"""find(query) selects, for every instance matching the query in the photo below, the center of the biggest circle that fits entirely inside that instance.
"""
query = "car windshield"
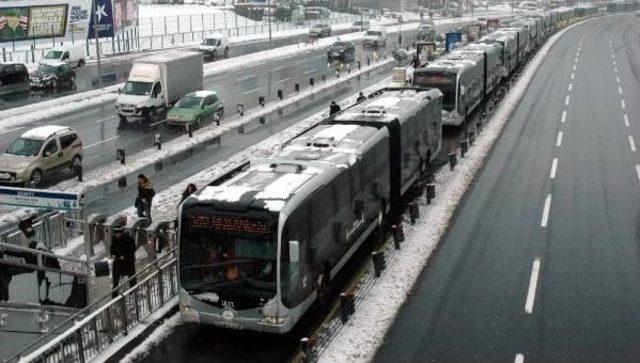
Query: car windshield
(233, 256)
(374, 33)
(25, 147)
(189, 102)
(340, 44)
(47, 68)
(137, 88)
(210, 41)
(54, 54)
(357, 23)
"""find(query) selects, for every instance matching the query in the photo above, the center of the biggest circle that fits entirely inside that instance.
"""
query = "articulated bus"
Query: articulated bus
(258, 244)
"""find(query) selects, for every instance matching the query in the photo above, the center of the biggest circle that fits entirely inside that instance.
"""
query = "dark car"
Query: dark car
(320, 30)
(53, 75)
(341, 50)
(14, 78)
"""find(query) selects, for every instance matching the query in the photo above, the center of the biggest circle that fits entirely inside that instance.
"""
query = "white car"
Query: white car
(359, 26)
(215, 46)
(375, 37)
(73, 55)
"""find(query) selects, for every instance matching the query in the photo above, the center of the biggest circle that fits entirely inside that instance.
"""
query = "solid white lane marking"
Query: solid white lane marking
(620, 90)
(559, 142)
(638, 171)
(253, 90)
(545, 211)
(519, 358)
(284, 80)
(617, 79)
(309, 72)
(570, 87)
(566, 100)
(573, 75)
(622, 104)
(554, 168)
(533, 283)
(105, 119)
(564, 116)
(248, 77)
(101, 142)
(626, 120)
(632, 144)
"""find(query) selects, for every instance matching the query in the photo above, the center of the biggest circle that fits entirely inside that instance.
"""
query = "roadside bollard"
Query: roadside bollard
(240, 109)
(262, 120)
(431, 192)
(398, 233)
(78, 170)
(241, 129)
(347, 306)
(122, 182)
(121, 156)
(379, 263)
(296, 87)
(472, 138)
(359, 65)
(368, 61)
(190, 130)
(312, 82)
(453, 160)
(280, 94)
(464, 147)
(306, 345)
(157, 141)
(43, 319)
(414, 212)
(261, 101)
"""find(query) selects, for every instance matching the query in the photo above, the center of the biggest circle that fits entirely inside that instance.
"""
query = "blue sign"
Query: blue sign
(103, 13)
(451, 40)
(36, 198)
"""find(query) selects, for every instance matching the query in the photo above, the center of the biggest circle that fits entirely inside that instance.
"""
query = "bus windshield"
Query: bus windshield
(444, 81)
(231, 255)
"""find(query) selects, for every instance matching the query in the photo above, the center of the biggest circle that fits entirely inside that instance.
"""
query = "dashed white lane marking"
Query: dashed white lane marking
(574, 67)
(638, 171)
(309, 72)
(105, 119)
(632, 144)
(284, 80)
(519, 358)
(566, 100)
(248, 77)
(615, 69)
(101, 142)
(626, 120)
(554, 168)
(614, 62)
(570, 87)
(573, 75)
(545, 211)
(622, 104)
(617, 79)
(253, 90)
(620, 90)
(564, 116)
(533, 283)
(559, 141)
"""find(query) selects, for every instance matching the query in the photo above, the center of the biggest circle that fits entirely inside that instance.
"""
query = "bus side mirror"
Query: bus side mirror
(294, 251)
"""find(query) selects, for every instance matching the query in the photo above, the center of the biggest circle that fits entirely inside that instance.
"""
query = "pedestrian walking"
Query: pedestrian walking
(334, 108)
(123, 253)
(191, 188)
(145, 197)
(361, 97)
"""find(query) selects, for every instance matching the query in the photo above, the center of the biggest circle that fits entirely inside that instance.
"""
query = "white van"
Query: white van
(73, 55)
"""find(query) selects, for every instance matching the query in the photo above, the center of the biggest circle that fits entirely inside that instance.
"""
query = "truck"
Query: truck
(155, 83)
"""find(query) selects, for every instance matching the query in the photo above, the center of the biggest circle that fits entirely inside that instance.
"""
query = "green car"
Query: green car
(196, 108)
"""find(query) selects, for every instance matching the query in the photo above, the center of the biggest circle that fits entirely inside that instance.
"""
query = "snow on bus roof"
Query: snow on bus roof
(229, 193)
(336, 132)
(283, 187)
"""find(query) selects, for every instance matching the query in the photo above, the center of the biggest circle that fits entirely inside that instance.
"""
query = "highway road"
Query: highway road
(541, 262)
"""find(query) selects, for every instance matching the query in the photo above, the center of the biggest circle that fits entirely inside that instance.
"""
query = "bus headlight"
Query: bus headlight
(274, 320)
(188, 313)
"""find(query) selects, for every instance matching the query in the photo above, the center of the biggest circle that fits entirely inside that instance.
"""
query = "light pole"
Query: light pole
(97, 39)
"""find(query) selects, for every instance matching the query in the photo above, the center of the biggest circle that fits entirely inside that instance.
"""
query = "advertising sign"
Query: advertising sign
(125, 14)
(37, 198)
(14, 23)
(47, 21)
(426, 52)
(452, 39)
(104, 15)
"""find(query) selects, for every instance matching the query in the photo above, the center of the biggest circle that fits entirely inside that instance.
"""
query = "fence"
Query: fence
(89, 332)
(53, 229)
(169, 31)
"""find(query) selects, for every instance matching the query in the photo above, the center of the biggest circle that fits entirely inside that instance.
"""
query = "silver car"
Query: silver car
(40, 152)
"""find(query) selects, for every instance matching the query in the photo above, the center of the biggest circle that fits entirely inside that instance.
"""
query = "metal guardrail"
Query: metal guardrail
(162, 36)
(92, 330)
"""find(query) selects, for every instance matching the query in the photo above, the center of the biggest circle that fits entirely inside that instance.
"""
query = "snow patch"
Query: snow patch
(154, 339)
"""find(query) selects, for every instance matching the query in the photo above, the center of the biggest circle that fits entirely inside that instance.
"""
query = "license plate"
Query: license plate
(228, 325)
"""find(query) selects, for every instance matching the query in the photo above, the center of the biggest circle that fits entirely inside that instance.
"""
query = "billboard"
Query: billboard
(32, 22)
(125, 14)
(104, 15)
(36, 198)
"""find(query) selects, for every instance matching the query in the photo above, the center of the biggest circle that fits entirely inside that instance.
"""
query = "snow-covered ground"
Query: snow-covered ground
(361, 336)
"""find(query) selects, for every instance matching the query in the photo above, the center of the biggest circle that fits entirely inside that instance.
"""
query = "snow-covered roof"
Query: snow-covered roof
(44, 132)
(202, 94)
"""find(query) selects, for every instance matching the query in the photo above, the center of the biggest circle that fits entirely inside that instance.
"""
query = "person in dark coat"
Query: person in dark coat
(123, 253)
(5, 279)
(145, 197)
(191, 188)
(334, 108)
(361, 97)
